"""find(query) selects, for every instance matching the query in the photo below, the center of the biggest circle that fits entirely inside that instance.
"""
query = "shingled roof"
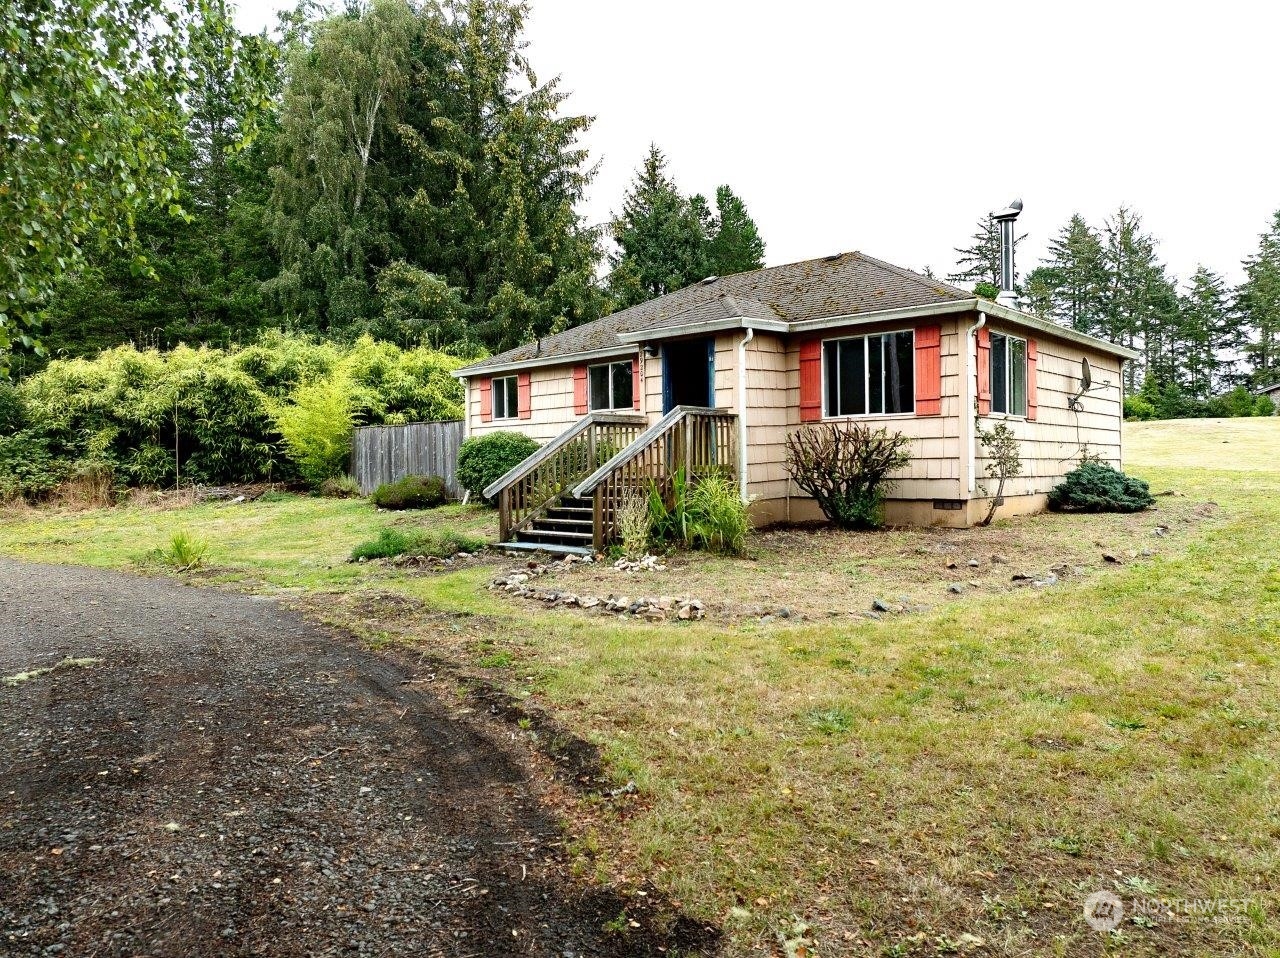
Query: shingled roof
(843, 285)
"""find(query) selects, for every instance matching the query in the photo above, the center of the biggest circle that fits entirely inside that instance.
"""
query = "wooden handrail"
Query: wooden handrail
(523, 468)
(527, 490)
(699, 440)
(589, 484)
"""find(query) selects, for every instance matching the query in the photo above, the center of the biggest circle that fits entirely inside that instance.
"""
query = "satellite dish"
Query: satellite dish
(1086, 375)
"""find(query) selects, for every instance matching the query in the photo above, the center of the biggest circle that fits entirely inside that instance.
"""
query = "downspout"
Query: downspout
(742, 412)
(971, 398)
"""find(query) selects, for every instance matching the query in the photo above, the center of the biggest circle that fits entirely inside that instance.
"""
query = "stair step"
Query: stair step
(573, 510)
(567, 521)
(541, 535)
(545, 547)
(569, 502)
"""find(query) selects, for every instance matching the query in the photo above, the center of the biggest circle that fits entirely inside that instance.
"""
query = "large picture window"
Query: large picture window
(1008, 375)
(869, 375)
(506, 397)
(610, 386)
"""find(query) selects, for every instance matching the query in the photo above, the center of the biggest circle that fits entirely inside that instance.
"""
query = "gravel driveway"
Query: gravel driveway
(229, 779)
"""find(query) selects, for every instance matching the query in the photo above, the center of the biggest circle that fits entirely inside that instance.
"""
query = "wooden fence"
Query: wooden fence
(386, 453)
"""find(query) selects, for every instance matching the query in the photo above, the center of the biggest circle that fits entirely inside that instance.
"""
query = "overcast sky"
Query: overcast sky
(891, 127)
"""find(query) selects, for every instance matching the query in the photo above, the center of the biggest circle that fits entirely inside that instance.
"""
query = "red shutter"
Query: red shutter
(1032, 401)
(580, 390)
(929, 370)
(635, 383)
(984, 372)
(525, 394)
(811, 380)
(486, 400)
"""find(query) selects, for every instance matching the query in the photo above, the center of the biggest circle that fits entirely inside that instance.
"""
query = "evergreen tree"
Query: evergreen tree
(1073, 278)
(1138, 302)
(661, 236)
(735, 245)
(980, 263)
(417, 137)
(1259, 302)
(207, 261)
(1204, 337)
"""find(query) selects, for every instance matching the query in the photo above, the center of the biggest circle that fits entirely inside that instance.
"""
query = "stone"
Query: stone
(998, 560)
(784, 613)
(1021, 577)
(955, 587)
(973, 563)
(1108, 557)
(873, 615)
(1048, 580)
(685, 613)
(879, 605)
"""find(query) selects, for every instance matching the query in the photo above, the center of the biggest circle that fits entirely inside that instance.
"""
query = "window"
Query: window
(1008, 375)
(506, 397)
(869, 375)
(610, 386)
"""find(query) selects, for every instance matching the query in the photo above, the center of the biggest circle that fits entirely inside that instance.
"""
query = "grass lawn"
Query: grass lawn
(945, 781)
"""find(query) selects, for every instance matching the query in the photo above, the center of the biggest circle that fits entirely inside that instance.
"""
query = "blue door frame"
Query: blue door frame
(668, 391)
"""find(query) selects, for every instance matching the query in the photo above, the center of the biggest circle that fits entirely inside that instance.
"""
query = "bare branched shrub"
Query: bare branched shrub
(846, 468)
(1004, 461)
(91, 486)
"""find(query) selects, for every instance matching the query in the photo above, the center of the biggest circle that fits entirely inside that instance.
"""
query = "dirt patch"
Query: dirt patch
(817, 572)
(232, 780)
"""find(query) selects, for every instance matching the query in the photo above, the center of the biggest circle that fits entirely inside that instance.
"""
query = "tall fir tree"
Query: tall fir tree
(417, 139)
(666, 241)
(661, 236)
(1205, 337)
(735, 245)
(1138, 302)
(1072, 279)
(1259, 304)
(207, 262)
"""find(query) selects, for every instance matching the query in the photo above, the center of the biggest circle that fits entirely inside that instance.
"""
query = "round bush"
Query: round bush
(483, 459)
(1097, 487)
(411, 492)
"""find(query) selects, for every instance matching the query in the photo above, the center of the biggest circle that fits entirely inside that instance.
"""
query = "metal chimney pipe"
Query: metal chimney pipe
(1006, 218)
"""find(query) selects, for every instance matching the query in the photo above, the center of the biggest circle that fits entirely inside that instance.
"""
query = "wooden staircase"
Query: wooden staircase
(565, 526)
(565, 497)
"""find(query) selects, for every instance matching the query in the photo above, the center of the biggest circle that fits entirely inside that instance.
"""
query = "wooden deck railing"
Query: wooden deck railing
(546, 475)
(701, 440)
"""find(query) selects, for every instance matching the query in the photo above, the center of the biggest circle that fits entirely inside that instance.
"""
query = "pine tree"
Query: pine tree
(1138, 302)
(1203, 338)
(1259, 303)
(1072, 280)
(735, 244)
(661, 236)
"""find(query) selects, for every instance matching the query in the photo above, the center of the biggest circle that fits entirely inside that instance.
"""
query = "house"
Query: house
(714, 376)
(1272, 393)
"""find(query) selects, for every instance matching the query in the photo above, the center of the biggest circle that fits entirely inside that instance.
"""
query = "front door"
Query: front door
(688, 373)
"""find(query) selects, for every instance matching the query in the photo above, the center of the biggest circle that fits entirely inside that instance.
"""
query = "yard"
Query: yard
(955, 775)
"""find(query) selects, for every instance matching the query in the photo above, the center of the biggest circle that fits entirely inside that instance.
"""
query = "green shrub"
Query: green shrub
(279, 409)
(845, 469)
(411, 492)
(710, 516)
(316, 424)
(1135, 407)
(484, 459)
(340, 487)
(1097, 487)
(398, 542)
